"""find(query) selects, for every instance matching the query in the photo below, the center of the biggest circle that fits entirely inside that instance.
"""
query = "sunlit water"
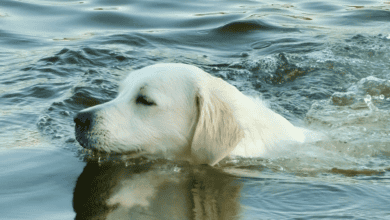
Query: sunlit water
(323, 65)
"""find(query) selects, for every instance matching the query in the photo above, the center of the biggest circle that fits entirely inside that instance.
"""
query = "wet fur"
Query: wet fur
(197, 117)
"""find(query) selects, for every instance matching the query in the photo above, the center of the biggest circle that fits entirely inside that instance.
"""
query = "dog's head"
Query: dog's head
(177, 111)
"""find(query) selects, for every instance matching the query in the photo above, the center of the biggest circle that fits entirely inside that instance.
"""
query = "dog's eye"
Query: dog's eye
(144, 101)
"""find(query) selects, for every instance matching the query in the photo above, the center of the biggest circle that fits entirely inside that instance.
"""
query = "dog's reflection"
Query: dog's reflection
(155, 190)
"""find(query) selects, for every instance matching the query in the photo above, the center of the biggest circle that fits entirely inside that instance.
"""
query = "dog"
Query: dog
(180, 112)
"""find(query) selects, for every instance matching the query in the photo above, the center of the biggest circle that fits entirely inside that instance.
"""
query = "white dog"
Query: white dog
(180, 112)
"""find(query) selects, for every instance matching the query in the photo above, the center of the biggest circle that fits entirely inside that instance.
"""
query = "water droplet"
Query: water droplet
(367, 99)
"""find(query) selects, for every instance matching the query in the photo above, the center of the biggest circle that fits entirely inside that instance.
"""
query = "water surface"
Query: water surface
(324, 65)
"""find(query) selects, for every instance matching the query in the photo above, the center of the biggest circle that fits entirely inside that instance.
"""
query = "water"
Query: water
(322, 65)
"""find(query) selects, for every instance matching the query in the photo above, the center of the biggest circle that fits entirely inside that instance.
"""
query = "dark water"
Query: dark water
(323, 65)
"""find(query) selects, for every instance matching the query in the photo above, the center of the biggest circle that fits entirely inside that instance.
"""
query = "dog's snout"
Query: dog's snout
(84, 119)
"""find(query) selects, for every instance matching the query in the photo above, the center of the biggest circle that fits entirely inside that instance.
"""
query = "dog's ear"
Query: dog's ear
(217, 132)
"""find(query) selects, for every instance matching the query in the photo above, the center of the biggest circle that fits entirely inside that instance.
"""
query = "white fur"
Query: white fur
(197, 117)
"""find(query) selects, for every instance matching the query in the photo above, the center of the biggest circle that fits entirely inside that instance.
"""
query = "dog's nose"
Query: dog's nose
(83, 119)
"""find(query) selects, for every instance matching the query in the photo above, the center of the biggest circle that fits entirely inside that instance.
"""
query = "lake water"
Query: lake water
(324, 65)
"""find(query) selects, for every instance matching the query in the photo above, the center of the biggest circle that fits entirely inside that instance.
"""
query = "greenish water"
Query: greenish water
(322, 65)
